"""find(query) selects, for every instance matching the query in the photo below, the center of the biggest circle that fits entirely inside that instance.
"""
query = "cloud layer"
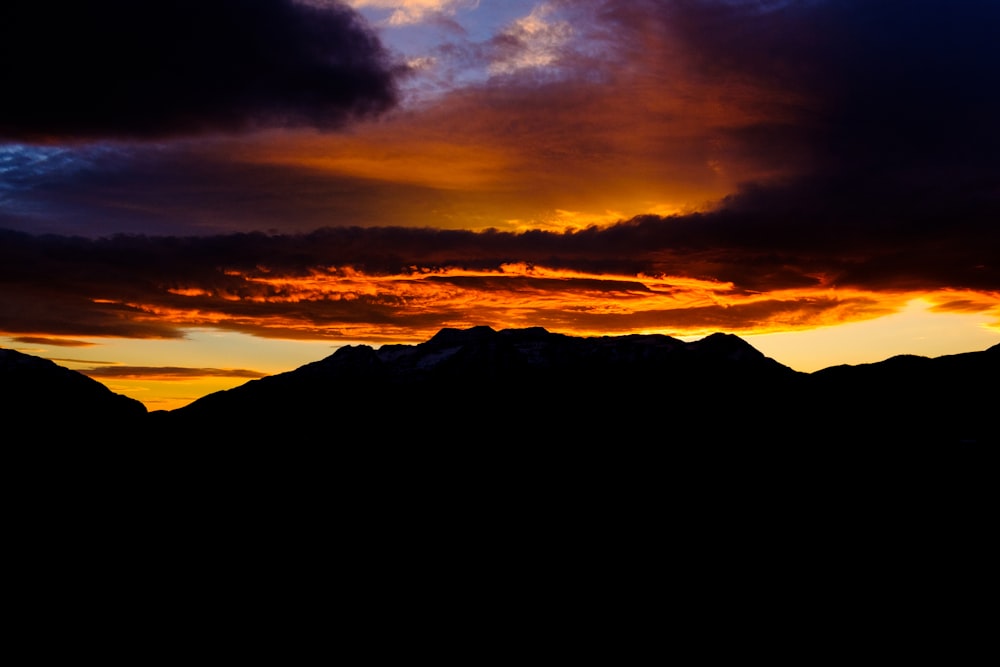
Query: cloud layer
(704, 272)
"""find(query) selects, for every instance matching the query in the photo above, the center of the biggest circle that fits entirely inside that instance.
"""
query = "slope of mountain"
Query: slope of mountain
(947, 398)
(47, 397)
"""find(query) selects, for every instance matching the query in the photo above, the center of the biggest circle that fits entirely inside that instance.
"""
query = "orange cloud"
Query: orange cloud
(953, 301)
(634, 133)
(381, 284)
(167, 373)
(58, 342)
(967, 301)
(345, 303)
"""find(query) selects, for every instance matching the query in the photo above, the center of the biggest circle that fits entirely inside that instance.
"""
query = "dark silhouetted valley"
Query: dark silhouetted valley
(517, 387)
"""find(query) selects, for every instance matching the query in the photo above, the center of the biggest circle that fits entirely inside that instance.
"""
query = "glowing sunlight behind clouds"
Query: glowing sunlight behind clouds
(817, 176)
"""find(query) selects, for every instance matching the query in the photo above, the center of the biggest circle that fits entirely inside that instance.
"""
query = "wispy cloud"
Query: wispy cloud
(57, 342)
(166, 373)
(406, 12)
(533, 41)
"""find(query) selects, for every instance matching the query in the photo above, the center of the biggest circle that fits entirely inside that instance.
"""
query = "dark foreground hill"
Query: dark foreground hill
(484, 388)
(39, 397)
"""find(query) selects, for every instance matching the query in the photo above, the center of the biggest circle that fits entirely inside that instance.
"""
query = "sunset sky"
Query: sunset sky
(201, 192)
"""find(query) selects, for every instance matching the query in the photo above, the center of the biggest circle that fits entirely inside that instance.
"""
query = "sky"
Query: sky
(198, 193)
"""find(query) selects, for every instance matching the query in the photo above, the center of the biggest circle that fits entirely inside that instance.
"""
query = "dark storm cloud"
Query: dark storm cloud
(895, 90)
(878, 120)
(490, 284)
(754, 251)
(121, 68)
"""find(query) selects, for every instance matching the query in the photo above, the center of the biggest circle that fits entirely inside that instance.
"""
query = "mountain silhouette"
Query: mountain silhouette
(530, 385)
(513, 383)
(479, 386)
(50, 398)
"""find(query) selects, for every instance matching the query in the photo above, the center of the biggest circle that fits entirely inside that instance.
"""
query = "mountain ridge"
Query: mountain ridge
(530, 382)
(517, 383)
(28, 383)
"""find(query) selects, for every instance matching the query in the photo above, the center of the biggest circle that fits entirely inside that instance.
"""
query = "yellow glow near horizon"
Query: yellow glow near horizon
(920, 328)
(199, 349)
(859, 328)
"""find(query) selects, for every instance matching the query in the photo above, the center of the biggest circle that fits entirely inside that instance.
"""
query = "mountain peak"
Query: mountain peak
(728, 345)
(450, 335)
(527, 332)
